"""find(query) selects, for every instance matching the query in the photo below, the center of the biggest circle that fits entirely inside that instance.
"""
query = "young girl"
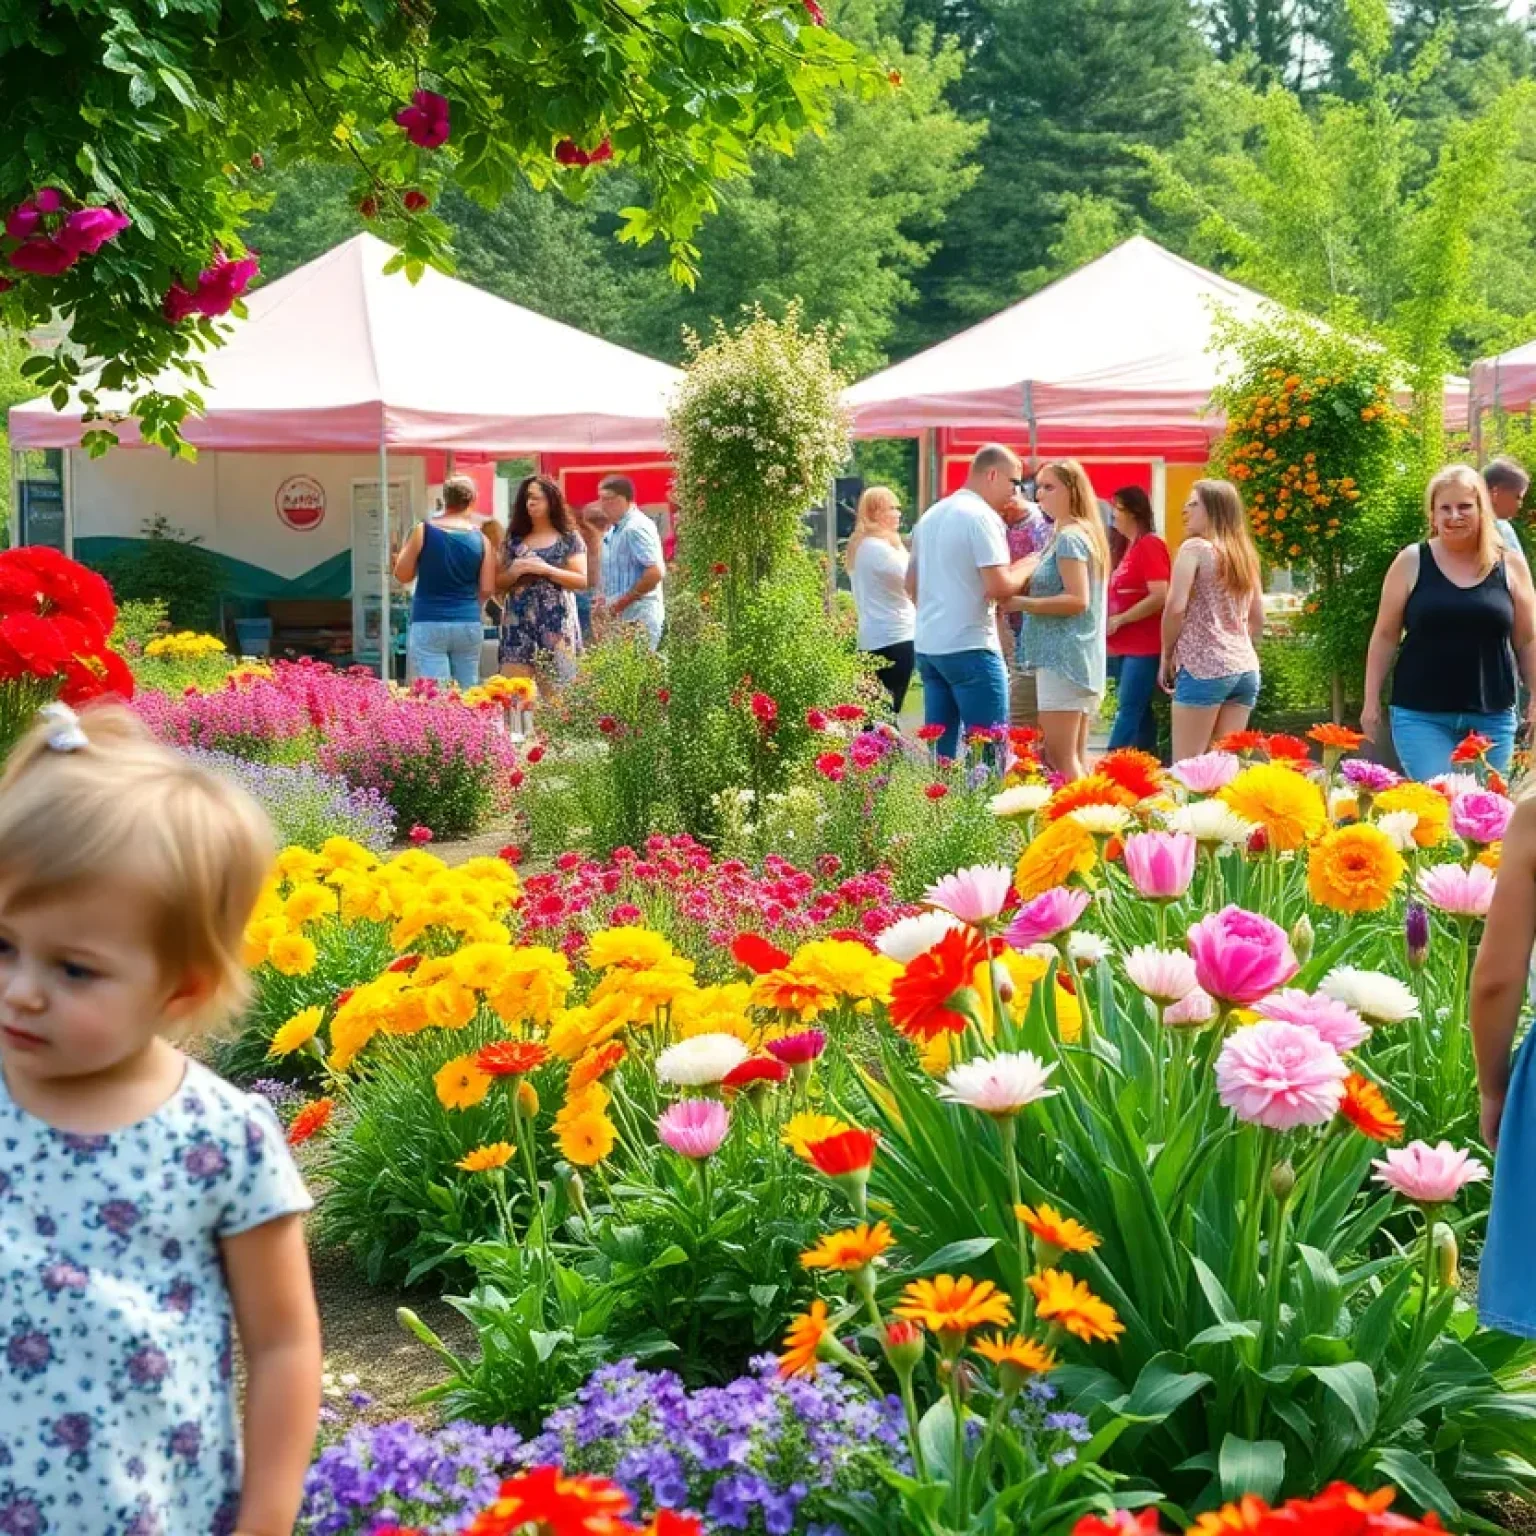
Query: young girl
(144, 1203)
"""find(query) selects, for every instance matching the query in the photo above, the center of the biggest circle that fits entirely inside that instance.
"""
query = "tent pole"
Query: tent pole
(1029, 416)
(13, 522)
(385, 659)
(927, 453)
(831, 543)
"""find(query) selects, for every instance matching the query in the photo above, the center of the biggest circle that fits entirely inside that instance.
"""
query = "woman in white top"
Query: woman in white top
(876, 561)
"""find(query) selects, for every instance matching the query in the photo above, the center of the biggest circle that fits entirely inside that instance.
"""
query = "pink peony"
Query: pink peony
(86, 230)
(1194, 1008)
(1373, 778)
(426, 120)
(1164, 975)
(797, 1049)
(1049, 914)
(1428, 1175)
(1241, 956)
(1205, 774)
(1482, 816)
(42, 257)
(1280, 1076)
(694, 1128)
(974, 895)
(1160, 864)
(1336, 1022)
(1461, 892)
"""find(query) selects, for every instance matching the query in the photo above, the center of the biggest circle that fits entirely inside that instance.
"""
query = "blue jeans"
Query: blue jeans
(1506, 1299)
(1135, 724)
(1424, 740)
(444, 651)
(967, 688)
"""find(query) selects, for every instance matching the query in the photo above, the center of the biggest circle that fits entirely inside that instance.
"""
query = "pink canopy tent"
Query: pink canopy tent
(1118, 357)
(1506, 382)
(337, 358)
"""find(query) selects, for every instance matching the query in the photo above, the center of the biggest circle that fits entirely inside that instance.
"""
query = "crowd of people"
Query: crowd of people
(1018, 600)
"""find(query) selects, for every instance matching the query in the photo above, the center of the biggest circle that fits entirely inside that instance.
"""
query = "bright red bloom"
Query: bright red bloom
(929, 732)
(832, 765)
(511, 853)
(1340, 1510)
(798, 1049)
(569, 152)
(663, 696)
(511, 1058)
(554, 1505)
(1121, 1523)
(607, 724)
(922, 996)
(1138, 773)
(536, 753)
(848, 713)
(415, 201)
(764, 710)
(1471, 747)
(1287, 749)
(756, 1069)
(757, 954)
(816, 719)
(310, 1119)
(850, 1151)
(668, 1522)
(420, 835)
(936, 791)
(1242, 742)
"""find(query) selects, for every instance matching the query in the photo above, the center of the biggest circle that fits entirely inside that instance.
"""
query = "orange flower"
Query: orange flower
(1287, 749)
(1020, 1353)
(1050, 1227)
(1368, 1109)
(1137, 773)
(510, 1058)
(850, 1249)
(1093, 789)
(850, 1151)
(311, 1118)
(1065, 848)
(1245, 1515)
(487, 1159)
(1242, 742)
(1337, 738)
(595, 1065)
(1061, 1299)
(954, 1306)
(1471, 748)
(922, 997)
(786, 992)
(547, 1500)
(802, 1344)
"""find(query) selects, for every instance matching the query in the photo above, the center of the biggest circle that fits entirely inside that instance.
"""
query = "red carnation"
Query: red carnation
(756, 1069)
(929, 732)
(757, 954)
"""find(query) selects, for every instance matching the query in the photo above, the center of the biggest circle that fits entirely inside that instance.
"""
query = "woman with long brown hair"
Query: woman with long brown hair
(1212, 621)
(543, 566)
(1062, 637)
(876, 562)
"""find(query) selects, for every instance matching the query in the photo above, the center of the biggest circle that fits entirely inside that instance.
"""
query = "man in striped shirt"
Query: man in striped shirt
(630, 567)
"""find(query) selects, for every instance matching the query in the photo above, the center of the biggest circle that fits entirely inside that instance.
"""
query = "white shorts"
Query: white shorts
(1059, 695)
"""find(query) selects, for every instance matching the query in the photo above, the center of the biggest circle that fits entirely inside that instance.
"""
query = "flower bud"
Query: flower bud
(1416, 934)
(1258, 841)
(1282, 1180)
(1446, 1256)
(1002, 979)
(527, 1100)
(571, 1182)
(904, 1346)
(414, 1326)
(1303, 939)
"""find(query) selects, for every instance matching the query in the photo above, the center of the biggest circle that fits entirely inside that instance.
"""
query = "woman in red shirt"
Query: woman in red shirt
(1137, 591)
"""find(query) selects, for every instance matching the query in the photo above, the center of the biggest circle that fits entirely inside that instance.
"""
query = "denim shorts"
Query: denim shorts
(1211, 692)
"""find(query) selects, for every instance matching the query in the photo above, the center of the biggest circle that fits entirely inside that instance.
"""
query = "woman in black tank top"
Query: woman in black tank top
(1459, 615)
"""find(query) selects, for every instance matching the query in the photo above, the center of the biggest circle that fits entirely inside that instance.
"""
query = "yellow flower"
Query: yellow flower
(461, 1084)
(1018, 1354)
(1354, 869)
(587, 1139)
(1289, 806)
(343, 853)
(1491, 856)
(297, 1032)
(309, 902)
(949, 1305)
(593, 1099)
(259, 934)
(299, 864)
(808, 1126)
(1069, 1014)
(1061, 1299)
(850, 1249)
(534, 988)
(482, 966)
(636, 948)
(292, 955)
(575, 1031)
(1063, 849)
(1429, 805)
(488, 1158)
(1048, 1226)
(846, 968)
(783, 991)
(450, 1006)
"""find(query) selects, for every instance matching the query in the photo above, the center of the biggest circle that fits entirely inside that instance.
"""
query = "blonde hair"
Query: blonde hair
(877, 498)
(459, 493)
(1237, 561)
(195, 844)
(1489, 550)
(1084, 505)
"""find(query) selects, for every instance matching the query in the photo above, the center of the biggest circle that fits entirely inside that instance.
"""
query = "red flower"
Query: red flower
(848, 713)
(1471, 747)
(310, 1119)
(1138, 773)
(549, 1501)
(1121, 1523)
(719, 568)
(756, 1069)
(369, 207)
(421, 835)
(922, 997)
(757, 954)
(1242, 742)
(569, 152)
(929, 732)
(1340, 1510)
(815, 12)
(764, 710)
(936, 791)
(1287, 749)
(832, 765)
(1258, 841)
(517, 778)
(511, 853)
(816, 719)
(404, 965)
(415, 201)
(426, 120)
(850, 1151)
(668, 1522)
(607, 724)
(663, 697)
(536, 753)
(511, 1058)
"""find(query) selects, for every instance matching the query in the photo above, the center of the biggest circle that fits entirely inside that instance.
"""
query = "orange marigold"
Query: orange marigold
(787, 992)
(1245, 1515)
(1061, 1299)
(1050, 1227)
(310, 1119)
(1093, 789)
(850, 1249)
(1138, 773)
(1368, 1109)
(1063, 849)
(596, 1065)
(1017, 1352)
(1337, 738)
(946, 1304)
(802, 1344)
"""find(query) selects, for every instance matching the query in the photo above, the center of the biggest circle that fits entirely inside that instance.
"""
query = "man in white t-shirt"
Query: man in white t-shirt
(959, 572)
(1507, 484)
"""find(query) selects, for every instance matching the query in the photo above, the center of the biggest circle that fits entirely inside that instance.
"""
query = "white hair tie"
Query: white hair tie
(66, 734)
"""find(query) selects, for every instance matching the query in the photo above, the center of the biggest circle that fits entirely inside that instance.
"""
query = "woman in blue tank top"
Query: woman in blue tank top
(454, 568)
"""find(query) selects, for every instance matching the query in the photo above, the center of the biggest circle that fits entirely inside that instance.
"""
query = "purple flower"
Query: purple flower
(28, 1354)
(119, 1217)
(205, 1162)
(1373, 778)
(61, 1275)
(71, 1431)
(148, 1367)
(186, 1441)
(20, 1513)
(178, 1296)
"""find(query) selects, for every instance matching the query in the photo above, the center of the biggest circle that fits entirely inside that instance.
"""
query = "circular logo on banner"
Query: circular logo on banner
(301, 502)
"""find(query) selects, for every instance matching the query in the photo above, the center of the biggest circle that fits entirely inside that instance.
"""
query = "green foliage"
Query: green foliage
(1295, 679)
(139, 620)
(167, 566)
(14, 389)
(168, 115)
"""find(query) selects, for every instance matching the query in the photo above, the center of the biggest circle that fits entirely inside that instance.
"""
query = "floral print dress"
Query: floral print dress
(117, 1404)
(539, 620)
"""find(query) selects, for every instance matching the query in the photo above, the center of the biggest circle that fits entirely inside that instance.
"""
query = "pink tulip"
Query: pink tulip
(974, 895)
(1336, 1022)
(1160, 864)
(1205, 774)
(1428, 1175)
(694, 1127)
(1193, 1009)
(1241, 956)
(1482, 816)
(1280, 1076)
(1164, 975)
(426, 120)
(86, 230)
(1460, 892)
(1049, 914)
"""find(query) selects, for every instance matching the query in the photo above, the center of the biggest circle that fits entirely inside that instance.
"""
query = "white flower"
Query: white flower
(998, 1085)
(1164, 975)
(1400, 827)
(701, 1061)
(1452, 784)
(1378, 997)
(909, 937)
(1341, 803)
(1025, 800)
(1086, 949)
(1103, 820)
(1211, 821)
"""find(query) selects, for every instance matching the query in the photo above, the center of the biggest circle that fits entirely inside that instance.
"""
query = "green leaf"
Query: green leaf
(1215, 1293)
(1161, 1388)
(545, 1344)
(1251, 1466)
(1418, 1480)
(669, 1258)
(936, 1435)
(953, 1256)
(1354, 1386)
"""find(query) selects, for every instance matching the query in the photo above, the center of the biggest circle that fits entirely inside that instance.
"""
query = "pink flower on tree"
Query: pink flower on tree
(1336, 1022)
(1045, 917)
(1241, 956)
(569, 152)
(1428, 1175)
(26, 219)
(1482, 816)
(694, 1127)
(86, 230)
(41, 257)
(1280, 1076)
(425, 121)
(1160, 864)
(1460, 892)
(218, 287)
(1205, 774)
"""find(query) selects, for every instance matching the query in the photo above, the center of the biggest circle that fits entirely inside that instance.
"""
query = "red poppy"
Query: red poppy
(1471, 747)
(757, 954)
(850, 1151)
(511, 1058)
(536, 753)
(922, 997)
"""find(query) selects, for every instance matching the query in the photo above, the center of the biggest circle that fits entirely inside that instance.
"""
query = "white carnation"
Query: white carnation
(1380, 998)
(700, 1062)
